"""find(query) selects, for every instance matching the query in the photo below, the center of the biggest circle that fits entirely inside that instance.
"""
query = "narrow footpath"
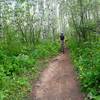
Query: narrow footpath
(58, 81)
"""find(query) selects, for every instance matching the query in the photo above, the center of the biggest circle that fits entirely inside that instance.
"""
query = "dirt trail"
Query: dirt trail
(58, 81)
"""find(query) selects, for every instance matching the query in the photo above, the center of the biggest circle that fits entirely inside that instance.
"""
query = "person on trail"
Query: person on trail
(62, 41)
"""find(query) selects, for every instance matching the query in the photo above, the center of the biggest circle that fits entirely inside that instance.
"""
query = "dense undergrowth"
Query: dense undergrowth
(86, 57)
(19, 64)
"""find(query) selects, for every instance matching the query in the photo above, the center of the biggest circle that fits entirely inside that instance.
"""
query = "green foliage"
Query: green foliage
(86, 57)
(18, 67)
(48, 49)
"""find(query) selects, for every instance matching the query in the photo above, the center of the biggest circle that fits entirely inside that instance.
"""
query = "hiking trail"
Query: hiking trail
(58, 81)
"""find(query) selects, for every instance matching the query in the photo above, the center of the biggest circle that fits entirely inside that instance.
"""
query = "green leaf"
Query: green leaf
(97, 97)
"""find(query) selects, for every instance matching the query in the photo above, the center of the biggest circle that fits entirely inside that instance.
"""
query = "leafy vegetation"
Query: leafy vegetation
(19, 67)
(29, 30)
(86, 57)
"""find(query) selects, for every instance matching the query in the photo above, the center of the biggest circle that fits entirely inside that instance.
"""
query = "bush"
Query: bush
(16, 67)
(86, 57)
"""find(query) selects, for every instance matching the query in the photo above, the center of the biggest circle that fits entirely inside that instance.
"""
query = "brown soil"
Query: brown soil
(58, 81)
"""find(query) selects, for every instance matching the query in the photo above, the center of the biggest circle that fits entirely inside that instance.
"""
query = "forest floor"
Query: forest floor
(58, 81)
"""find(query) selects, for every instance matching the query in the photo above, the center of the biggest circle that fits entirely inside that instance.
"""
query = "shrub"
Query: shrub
(19, 65)
(86, 57)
